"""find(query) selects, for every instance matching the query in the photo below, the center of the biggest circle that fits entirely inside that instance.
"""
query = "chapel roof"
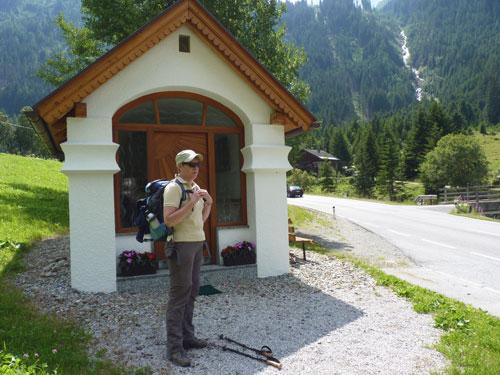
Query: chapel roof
(50, 113)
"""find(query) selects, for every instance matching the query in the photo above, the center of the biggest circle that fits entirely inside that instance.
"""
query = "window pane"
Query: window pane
(180, 111)
(133, 162)
(215, 117)
(227, 167)
(142, 114)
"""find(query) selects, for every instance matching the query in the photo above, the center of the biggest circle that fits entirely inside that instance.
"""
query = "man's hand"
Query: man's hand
(205, 196)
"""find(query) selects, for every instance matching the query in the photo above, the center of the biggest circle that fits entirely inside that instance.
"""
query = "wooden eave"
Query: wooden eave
(52, 110)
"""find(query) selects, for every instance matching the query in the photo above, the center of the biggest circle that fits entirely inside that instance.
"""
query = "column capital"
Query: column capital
(87, 157)
(265, 158)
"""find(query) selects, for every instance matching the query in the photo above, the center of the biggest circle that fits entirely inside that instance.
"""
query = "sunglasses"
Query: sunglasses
(192, 165)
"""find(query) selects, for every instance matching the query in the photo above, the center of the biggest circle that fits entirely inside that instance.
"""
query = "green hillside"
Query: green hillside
(355, 67)
(491, 146)
(28, 36)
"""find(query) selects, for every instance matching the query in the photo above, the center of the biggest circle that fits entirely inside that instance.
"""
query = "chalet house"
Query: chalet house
(310, 160)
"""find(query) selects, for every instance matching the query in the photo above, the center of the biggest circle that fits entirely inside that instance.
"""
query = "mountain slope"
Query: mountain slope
(28, 35)
(355, 67)
(456, 47)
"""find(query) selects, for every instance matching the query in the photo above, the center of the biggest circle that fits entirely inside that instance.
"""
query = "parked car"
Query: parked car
(294, 191)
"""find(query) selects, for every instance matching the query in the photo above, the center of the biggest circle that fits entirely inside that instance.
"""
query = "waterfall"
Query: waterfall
(406, 59)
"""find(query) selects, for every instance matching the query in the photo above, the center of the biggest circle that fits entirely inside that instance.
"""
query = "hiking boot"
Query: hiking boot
(180, 359)
(194, 343)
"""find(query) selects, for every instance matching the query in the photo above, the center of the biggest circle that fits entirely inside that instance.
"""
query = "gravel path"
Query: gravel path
(325, 317)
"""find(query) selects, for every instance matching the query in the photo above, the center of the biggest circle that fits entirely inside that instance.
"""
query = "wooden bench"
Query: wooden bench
(292, 237)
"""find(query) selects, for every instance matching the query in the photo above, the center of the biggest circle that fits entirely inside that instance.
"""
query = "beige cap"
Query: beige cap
(186, 156)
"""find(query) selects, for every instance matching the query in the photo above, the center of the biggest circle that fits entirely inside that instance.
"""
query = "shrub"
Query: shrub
(457, 160)
(12, 365)
(299, 177)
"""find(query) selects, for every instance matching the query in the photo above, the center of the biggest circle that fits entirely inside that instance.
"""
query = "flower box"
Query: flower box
(132, 263)
(239, 254)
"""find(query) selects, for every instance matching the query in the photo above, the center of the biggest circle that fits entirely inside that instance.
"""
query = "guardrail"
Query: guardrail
(484, 199)
(469, 194)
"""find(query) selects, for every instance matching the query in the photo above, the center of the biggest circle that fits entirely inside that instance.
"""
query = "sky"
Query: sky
(374, 2)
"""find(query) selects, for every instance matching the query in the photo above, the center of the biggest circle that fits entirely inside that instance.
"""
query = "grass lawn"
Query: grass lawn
(491, 146)
(471, 338)
(343, 189)
(34, 205)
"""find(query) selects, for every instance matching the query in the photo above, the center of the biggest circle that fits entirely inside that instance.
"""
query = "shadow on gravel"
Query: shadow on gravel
(327, 243)
(282, 312)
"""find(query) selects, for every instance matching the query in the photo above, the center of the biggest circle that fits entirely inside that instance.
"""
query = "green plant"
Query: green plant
(12, 365)
(462, 207)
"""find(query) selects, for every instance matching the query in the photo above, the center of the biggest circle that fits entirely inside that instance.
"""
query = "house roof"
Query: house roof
(320, 154)
(49, 114)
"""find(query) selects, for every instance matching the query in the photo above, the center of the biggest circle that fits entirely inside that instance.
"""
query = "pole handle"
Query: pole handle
(278, 365)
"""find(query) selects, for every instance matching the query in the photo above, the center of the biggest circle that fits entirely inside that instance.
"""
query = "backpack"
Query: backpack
(149, 217)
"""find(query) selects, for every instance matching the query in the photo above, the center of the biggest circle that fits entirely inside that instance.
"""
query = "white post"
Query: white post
(266, 163)
(90, 164)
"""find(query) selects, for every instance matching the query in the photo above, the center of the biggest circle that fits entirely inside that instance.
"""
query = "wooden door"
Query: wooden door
(165, 145)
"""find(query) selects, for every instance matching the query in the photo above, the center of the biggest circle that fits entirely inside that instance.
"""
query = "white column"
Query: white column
(90, 162)
(266, 163)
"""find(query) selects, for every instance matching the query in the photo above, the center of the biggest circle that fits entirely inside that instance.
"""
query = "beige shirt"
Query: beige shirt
(190, 229)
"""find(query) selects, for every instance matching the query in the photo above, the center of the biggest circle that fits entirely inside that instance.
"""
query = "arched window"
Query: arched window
(148, 125)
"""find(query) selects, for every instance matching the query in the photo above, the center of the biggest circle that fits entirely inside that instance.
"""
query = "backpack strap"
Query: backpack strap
(183, 191)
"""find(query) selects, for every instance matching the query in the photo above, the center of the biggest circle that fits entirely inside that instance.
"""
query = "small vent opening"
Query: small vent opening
(184, 43)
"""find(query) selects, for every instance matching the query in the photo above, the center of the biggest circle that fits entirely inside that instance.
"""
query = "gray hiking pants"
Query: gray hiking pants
(184, 262)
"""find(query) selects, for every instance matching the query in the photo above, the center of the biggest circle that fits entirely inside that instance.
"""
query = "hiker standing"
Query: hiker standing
(184, 254)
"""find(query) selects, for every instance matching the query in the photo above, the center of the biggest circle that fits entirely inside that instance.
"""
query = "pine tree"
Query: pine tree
(6, 134)
(325, 174)
(457, 122)
(419, 141)
(366, 163)
(388, 164)
(440, 120)
(339, 147)
(28, 140)
(482, 128)
(493, 100)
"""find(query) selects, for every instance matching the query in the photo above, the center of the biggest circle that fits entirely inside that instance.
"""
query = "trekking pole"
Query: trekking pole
(265, 350)
(271, 361)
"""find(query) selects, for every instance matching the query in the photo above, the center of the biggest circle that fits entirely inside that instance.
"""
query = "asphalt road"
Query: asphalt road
(455, 256)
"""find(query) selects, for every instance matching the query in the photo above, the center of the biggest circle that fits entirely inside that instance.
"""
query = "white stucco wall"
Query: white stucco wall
(164, 68)
(90, 158)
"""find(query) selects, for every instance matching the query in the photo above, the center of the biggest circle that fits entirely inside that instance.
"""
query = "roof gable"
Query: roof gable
(320, 154)
(50, 113)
